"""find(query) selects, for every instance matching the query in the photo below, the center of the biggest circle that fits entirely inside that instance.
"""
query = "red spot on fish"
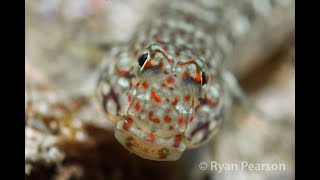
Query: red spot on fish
(148, 64)
(171, 88)
(185, 75)
(151, 137)
(155, 120)
(127, 123)
(186, 98)
(145, 85)
(175, 101)
(163, 85)
(165, 72)
(160, 64)
(170, 128)
(177, 140)
(150, 116)
(197, 78)
(170, 80)
(167, 118)
(156, 98)
(180, 120)
(137, 106)
(163, 153)
(124, 73)
(167, 100)
(163, 156)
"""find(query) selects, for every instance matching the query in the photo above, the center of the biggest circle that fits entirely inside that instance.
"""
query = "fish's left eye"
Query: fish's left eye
(204, 79)
(142, 59)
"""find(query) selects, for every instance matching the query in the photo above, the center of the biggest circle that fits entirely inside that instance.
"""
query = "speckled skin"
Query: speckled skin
(168, 89)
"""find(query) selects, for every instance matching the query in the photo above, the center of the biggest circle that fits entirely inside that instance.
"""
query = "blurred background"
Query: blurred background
(66, 138)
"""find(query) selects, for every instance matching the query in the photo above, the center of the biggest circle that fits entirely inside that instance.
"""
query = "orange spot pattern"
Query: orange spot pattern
(180, 120)
(151, 118)
(151, 137)
(127, 124)
(145, 85)
(167, 118)
(175, 101)
(177, 140)
(197, 78)
(156, 98)
(137, 106)
(186, 98)
(170, 80)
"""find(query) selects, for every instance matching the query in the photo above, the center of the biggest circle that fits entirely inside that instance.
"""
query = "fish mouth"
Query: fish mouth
(137, 142)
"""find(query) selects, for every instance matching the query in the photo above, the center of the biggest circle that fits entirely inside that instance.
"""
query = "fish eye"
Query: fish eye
(142, 59)
(204, 78)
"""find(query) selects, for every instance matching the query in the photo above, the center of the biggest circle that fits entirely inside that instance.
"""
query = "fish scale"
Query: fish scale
(170, 83)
